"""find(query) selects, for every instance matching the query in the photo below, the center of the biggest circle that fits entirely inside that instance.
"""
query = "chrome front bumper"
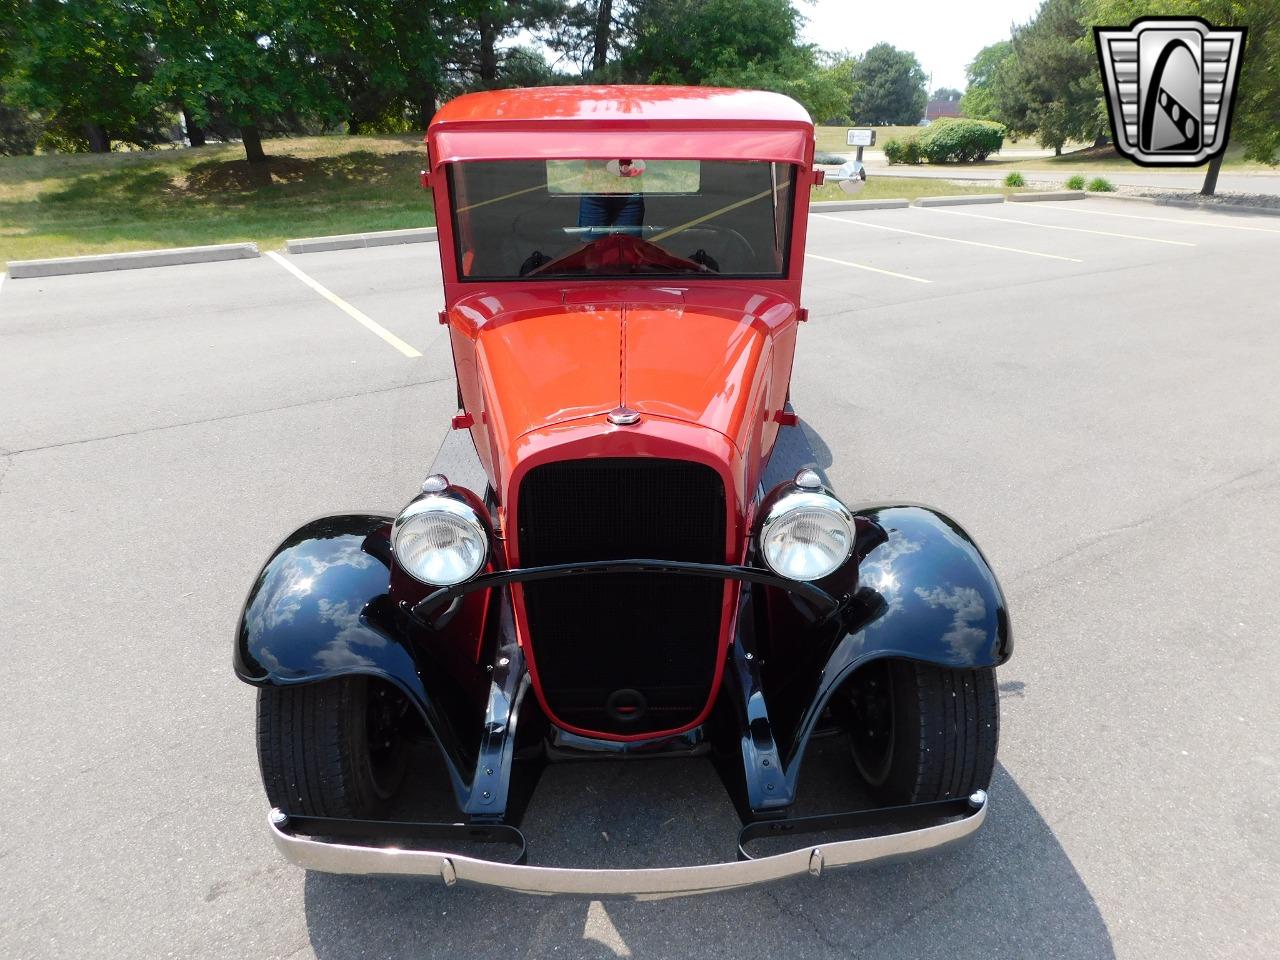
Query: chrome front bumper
(641, 884)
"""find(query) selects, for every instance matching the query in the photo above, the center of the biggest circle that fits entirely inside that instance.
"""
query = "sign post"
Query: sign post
(861, 137)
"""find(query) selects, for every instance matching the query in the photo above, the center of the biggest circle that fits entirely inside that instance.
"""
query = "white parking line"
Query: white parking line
(1054, 226)
(934, 236)
(863, 266)
(1062, 208)
(2, 276)
(364, 320)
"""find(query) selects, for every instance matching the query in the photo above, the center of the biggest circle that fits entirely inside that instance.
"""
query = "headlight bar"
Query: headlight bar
(825, 604)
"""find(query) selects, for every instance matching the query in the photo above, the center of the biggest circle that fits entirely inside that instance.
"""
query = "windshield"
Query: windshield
(557, 219)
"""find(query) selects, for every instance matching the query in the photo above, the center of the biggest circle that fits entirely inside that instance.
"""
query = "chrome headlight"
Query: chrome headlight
(440, 540)
(806, 536)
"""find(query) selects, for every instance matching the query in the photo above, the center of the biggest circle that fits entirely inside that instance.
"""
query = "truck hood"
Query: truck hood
(701, 365)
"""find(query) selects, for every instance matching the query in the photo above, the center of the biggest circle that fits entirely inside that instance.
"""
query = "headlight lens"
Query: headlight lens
(440, 541)
(806, 536)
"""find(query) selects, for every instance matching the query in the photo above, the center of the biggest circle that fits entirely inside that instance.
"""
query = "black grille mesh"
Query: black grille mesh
(594, 635)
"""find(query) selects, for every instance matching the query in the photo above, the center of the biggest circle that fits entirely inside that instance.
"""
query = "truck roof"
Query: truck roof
(624, 103)
(622, 120)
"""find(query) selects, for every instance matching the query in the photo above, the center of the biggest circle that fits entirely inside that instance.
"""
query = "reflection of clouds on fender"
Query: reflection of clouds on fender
(350, 554)
(281, 598)
(968, 610)
(338, 652)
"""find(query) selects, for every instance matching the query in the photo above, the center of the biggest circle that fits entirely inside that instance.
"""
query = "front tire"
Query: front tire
(920, 732)
(332, 749)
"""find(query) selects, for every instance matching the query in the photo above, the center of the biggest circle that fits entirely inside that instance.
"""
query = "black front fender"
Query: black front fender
(320, 609)
(305, 618)
(926, 593)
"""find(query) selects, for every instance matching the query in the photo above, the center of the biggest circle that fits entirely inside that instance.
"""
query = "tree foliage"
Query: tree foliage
(19, 129)
(90, 73)
(947, 94)
(1050, 87)
(978, 101)
(84, 66)
(731, 43)
(888, 87)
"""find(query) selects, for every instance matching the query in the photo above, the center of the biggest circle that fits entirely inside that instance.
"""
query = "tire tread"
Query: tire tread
(306, 752)
(955, 716)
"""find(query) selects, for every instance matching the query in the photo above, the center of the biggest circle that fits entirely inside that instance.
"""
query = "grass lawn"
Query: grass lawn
(65, 205)
(908, 188)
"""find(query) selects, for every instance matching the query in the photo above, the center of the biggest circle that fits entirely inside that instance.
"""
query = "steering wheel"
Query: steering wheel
(737, 252)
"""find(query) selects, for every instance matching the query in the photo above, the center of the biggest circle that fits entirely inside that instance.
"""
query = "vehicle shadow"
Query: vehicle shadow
(1012, 891)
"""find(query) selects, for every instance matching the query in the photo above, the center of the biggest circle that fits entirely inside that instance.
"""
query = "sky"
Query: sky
(943, 34)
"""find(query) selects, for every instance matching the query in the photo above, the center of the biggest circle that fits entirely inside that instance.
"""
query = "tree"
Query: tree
(84, 66)
(1049, 86)
(686, 41)
(731, 43)
(946, 94)
(1256, 117)
(19, 129)
(888, 87)
(978, 101)
(591, 34)
(253, 63)
(477, 28)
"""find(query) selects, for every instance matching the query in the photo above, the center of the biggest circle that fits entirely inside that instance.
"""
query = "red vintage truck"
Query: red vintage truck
(636, 554)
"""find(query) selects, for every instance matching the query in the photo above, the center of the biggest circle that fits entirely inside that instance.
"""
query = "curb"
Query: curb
(1194, 205)
(859, 204)
(1047, 195)
(959, 200)
(133, 260)
(346, 241)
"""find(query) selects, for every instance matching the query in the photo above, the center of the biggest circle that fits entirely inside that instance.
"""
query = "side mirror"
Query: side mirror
(852, 177)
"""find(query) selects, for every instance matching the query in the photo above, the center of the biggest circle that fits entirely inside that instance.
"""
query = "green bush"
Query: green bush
(957, 140)
(903, 149)
(1101, 185)
(828, 158)
(1075, 182)
(1014, 180)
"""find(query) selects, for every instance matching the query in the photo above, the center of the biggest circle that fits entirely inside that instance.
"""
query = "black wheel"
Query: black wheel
(920, 732)
(332, 749)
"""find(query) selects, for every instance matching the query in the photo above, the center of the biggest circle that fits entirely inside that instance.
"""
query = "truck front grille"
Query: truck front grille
(623, 653)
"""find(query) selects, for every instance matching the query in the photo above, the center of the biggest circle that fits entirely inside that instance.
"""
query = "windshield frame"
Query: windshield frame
(785, 220)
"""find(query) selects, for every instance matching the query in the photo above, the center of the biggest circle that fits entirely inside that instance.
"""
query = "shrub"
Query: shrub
(957, 140)
(903, 149)
(1101, 185)
(1014, 180)
(828, 158)
(1075, 182)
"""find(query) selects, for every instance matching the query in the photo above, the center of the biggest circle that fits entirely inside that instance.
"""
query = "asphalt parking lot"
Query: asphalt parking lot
(1091, 388)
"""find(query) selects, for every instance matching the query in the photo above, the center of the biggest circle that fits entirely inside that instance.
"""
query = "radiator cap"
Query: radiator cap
(623, 417)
